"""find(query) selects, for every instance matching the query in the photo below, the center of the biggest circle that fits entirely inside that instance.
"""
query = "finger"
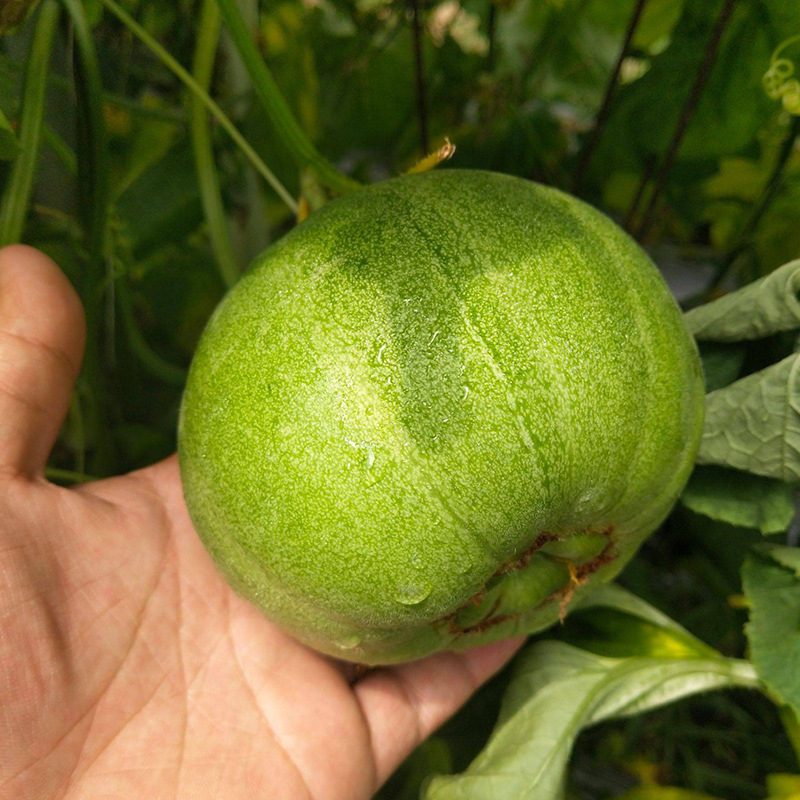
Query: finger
(42, 333)
(404, 705)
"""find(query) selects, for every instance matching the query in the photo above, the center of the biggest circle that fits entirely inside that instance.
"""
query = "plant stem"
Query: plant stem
(301, 147)
(154, 364)
(213, 108)
(20, 183)
(419, 73)
(92, 158)
(605, 106)
(207, 177)
(689, 107)
(109, 98)
(93, 184)
(62, 151)
(92, 154)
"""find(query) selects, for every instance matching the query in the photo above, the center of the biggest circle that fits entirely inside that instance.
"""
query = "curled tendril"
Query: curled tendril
(778, 81)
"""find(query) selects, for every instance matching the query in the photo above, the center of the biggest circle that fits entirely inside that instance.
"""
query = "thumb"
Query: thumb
(42, 333)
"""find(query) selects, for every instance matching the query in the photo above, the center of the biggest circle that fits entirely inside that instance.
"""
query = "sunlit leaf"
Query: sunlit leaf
(783, 787)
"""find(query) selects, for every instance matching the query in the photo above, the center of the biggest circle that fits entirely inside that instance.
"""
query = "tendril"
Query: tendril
(778, 81)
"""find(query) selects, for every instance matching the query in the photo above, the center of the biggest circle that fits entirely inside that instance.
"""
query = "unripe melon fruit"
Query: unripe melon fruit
(436, 413)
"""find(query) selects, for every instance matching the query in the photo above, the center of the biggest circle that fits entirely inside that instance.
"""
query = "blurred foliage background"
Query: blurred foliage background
(656, 111)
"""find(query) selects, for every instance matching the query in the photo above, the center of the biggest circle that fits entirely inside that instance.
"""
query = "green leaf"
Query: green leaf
(720, 125)
(9, 146)
(754, 424)
(178, 211)
(739, 178)
(791, 724)
(741, 499)
(771, 576)
(559, 689)
(766, 306)
(656, 23)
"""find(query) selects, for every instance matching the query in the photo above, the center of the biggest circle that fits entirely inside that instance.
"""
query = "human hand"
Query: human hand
(128, 667)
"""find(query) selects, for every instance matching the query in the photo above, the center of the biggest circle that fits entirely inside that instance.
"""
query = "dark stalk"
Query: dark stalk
(491, 28)
(700, 80)
(422, 116)
(605, 106)
(771, 189)
(775, 180)
(637, 198)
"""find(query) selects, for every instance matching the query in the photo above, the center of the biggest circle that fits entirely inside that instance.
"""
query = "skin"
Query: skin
(128, 667)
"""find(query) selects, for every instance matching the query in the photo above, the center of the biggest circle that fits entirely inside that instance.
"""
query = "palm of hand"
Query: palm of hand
(128, 668)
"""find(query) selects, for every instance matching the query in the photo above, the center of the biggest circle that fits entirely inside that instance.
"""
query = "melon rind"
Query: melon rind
(413, 385)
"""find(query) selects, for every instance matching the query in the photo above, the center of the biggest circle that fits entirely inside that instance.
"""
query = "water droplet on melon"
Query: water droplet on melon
(349, 642)
(412, 595)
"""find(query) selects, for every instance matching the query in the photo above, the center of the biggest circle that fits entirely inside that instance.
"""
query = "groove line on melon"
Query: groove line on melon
(589, 223)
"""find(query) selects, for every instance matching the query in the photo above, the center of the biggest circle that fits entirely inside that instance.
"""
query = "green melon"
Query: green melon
(436, 413)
